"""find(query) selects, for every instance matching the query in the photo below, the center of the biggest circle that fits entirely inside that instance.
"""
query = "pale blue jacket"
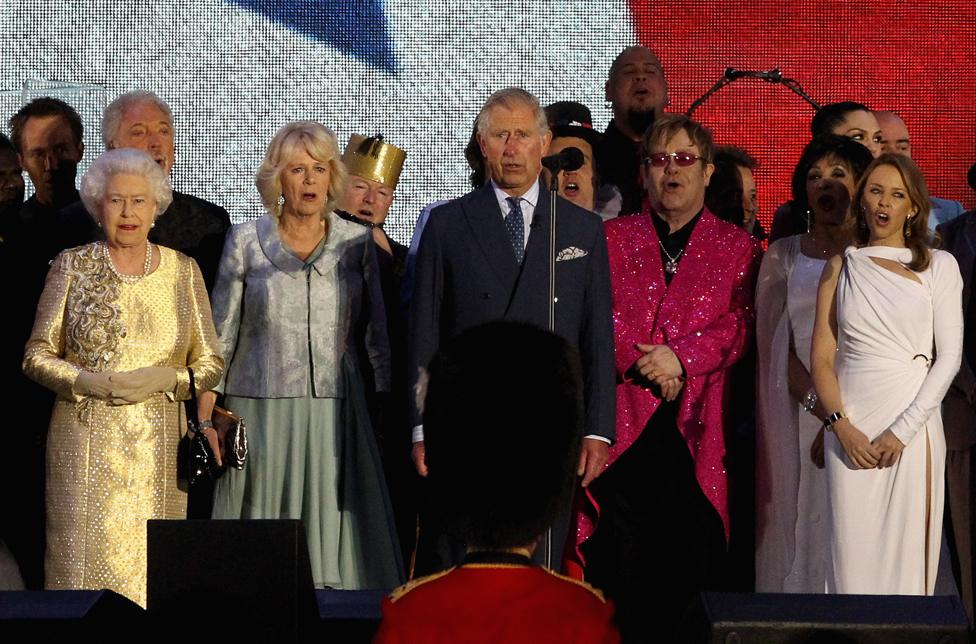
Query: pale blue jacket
(281, 321)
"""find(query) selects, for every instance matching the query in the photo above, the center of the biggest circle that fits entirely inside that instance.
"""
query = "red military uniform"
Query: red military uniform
(497, 603)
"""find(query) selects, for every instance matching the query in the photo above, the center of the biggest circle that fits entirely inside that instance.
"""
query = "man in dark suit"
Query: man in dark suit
(142, 120)
(484, 257)
(47, 135)
(959, 416)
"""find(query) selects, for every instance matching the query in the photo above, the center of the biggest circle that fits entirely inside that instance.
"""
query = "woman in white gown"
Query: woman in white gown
(791, 489)
(887, 342)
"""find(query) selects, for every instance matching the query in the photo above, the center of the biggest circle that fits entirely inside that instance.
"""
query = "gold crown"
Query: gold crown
(374, 159)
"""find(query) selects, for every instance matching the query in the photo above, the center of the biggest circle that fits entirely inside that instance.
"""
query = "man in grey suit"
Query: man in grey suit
(484, 257)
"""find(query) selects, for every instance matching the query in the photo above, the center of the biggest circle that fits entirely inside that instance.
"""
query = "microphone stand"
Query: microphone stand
(772, 76)
(553, 193)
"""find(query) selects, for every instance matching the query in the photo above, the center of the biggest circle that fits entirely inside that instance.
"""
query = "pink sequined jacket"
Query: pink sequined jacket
(705, 316)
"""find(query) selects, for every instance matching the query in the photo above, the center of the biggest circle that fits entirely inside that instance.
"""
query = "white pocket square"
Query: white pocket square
(572, 252)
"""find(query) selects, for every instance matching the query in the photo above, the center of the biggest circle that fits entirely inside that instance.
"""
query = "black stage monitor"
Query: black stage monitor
(250, 577)
(745, 618)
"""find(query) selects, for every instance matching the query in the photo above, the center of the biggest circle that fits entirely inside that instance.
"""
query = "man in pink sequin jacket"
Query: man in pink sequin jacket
(682, 286)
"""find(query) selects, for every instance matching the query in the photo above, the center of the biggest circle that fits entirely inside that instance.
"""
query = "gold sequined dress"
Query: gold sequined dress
(111, 468)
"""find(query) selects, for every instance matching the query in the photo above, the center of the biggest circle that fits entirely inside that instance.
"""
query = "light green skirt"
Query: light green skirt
(316, 459)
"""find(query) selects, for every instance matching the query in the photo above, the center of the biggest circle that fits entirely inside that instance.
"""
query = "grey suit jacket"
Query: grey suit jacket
(280, 323)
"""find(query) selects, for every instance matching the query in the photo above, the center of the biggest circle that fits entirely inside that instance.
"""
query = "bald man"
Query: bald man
(896, 140)
(637, 91)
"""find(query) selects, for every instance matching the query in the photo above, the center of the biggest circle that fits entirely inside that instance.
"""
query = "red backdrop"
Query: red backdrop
(916, 59)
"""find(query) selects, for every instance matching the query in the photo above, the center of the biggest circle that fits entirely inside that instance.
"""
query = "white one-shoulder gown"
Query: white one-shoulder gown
(899, 344)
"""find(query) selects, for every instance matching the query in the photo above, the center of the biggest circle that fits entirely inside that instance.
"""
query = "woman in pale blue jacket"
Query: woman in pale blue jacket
(297, 298)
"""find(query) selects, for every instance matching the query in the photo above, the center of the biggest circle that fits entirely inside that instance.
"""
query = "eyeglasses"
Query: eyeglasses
(681, 159)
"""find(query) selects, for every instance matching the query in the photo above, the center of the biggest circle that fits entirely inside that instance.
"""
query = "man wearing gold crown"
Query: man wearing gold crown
(374, 169)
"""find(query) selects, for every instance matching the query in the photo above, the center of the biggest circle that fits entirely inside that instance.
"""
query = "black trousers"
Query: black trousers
(659, 541)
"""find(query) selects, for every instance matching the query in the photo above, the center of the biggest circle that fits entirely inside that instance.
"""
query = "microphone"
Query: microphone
(567, 159)
(772, 76)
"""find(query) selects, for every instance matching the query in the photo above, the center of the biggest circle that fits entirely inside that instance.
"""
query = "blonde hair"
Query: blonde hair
(668, 126)
(319, 142)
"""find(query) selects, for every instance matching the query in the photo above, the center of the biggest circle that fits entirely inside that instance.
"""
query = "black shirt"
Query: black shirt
(673, 243)
(620, 166)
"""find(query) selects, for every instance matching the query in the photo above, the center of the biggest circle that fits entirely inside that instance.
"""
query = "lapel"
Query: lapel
(969, 233)
(276, 252)
(645, 261)
(485, 219)
(532, 283)
(691, 270)
(338, 237)
(537, 250)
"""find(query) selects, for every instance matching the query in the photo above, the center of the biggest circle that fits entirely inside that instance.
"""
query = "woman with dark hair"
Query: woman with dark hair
(887, 342)
(790, 537)
(853, 120)
(848, 119)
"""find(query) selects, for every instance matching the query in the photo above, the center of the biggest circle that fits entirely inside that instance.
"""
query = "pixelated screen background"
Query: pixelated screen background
(236, 70)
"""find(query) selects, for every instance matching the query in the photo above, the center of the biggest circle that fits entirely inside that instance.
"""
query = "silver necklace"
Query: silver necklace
(129, 278)
(671, 266)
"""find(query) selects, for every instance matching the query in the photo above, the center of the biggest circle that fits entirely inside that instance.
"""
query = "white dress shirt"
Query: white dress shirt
(527, 202)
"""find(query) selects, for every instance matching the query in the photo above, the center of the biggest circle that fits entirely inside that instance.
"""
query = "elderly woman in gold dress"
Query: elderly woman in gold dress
(119, 326)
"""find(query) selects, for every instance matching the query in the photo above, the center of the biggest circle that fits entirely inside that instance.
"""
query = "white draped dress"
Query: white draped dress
(791, 492)
(899, 344)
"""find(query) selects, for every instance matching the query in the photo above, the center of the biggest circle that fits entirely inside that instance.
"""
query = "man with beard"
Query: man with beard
(637, 92)
(47, 135)
(141, 120)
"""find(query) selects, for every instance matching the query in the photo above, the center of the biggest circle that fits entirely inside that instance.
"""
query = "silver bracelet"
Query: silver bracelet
(828, 422)
(809, 399)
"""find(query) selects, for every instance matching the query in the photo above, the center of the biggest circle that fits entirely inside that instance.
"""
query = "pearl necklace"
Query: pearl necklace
(129, 278)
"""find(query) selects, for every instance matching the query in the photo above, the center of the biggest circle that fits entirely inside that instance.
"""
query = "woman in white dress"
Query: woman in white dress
(791, 535)
(887, 342)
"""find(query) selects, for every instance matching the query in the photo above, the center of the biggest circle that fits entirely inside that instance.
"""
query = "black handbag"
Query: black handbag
(196, 460)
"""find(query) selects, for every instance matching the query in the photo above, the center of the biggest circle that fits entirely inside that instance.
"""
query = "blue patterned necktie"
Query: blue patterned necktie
(516, 227)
